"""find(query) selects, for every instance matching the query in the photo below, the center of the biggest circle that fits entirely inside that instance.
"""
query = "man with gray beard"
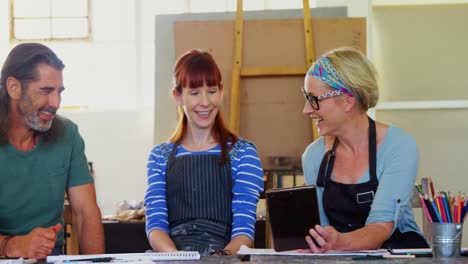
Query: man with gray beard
(41, 157)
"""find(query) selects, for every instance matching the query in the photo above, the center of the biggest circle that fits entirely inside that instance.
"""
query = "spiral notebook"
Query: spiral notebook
(129, 257)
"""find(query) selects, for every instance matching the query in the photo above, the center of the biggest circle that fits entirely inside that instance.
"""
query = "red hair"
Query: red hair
(193, 70)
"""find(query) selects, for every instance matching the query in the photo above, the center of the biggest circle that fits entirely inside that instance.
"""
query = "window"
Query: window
(50, 20)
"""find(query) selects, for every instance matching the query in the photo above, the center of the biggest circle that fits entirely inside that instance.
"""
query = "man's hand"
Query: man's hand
(38, 244)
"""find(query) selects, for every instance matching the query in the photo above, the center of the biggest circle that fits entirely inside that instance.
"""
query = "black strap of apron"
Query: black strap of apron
(372, 150)
(325, 168)
(328, 160)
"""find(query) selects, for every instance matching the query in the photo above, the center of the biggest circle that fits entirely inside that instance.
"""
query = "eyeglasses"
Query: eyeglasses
(314, 100)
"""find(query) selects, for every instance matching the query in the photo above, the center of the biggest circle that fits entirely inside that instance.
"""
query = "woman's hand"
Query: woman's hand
(326, 238)
(161, 242)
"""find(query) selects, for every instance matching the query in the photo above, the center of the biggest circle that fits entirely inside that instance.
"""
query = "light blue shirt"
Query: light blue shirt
(397, 167)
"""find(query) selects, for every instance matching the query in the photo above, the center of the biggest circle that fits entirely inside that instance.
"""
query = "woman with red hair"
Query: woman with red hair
(204, 184)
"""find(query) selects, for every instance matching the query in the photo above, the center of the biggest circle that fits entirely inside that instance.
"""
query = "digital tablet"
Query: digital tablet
(292, 212)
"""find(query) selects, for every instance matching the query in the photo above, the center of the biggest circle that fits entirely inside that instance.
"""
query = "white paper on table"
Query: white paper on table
(18, 261)
(244, 250)
(416, 251)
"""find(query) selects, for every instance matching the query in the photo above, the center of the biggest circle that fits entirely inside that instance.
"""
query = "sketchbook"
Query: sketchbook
(130, 257)
(244, 250)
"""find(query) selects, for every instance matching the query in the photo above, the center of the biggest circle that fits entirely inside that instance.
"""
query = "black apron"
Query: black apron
(199, 202)
(347, 206)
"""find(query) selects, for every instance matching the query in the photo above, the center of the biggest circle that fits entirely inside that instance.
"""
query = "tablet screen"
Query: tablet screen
(292, 212)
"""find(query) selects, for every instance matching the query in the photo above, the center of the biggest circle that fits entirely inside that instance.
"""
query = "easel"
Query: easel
(239, 72)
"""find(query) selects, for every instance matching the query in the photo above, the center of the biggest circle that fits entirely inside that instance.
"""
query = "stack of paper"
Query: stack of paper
(244, 250)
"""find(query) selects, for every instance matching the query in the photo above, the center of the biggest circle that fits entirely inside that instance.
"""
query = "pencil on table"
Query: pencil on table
(398, 256)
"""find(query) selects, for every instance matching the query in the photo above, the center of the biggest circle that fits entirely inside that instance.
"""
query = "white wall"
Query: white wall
(117, 122)
(420, 52)
(118, 143)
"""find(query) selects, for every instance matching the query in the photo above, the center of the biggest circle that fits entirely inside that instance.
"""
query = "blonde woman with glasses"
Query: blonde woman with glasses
(364, 170)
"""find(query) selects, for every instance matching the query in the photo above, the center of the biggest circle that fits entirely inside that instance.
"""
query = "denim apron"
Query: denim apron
(347, 206)
(199, 197)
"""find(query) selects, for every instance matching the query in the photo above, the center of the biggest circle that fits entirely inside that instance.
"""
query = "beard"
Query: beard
(54, 130)
(31, 115)
(50, 131)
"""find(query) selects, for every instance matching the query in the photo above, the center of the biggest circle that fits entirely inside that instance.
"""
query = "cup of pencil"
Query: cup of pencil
(446, 213)
(446, 240)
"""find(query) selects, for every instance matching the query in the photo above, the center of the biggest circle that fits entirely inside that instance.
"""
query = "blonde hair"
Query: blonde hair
(358, 73)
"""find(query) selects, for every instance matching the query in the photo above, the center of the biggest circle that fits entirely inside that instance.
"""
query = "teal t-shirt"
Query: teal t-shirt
(33, 183)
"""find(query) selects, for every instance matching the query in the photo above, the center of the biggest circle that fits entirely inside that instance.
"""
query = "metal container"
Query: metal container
(446, 240)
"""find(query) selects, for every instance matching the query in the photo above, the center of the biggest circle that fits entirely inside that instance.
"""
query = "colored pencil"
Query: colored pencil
(459, 209)
(434, 206)
(447, 208)
(431, 184)
(452, 212)
(465, 208)
(436, 200)
(424, 206)
(430, 209)
(441, 208)
(418, 187)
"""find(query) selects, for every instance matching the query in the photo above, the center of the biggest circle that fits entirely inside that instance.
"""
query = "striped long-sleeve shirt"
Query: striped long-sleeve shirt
(247, 174)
